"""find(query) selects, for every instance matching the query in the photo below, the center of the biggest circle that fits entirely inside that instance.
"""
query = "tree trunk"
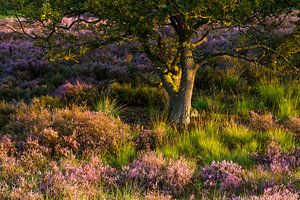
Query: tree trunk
(180, 104)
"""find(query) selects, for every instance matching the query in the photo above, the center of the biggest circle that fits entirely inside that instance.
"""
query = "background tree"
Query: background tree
(171, 32)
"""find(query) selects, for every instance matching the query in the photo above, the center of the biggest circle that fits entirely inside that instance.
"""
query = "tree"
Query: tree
(170, 32)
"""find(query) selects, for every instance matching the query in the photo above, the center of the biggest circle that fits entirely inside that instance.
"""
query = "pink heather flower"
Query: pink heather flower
(274, 193)
(178, 174)
(84, 177)
(72, 88)
(279, 162)
(228, 175)
(146, 170)
(151, 171)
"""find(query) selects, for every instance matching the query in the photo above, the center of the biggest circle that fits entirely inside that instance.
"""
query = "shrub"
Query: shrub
(145, 140)
(5, 110)
(178, 174)
(153, 172)
(293, 124)
(49, 102)
(226, 175)
(261, 122)
(68, 130)
(77, 92)
(278, 161)
(19, 174)
(274, 193)
(146, 170)
(20, 54)
(139, 95)
(8, 163)
(157, 196)
(70, 180)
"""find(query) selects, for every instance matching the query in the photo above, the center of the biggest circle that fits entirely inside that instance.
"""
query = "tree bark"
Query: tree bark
(180, 104)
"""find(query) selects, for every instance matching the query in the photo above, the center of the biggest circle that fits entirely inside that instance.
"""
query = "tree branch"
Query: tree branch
(203, 39)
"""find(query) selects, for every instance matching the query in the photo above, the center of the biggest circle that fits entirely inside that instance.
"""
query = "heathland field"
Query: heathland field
(95, 123)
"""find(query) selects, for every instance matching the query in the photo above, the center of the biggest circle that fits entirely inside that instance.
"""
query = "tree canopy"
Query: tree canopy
(171, 32)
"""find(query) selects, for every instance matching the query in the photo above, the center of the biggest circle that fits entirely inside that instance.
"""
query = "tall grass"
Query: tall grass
(284, 138)
(108, 106)
(288, 107)
(243, 106)
(235, 134)
(200, 103)
(124, 155)
(270, 93)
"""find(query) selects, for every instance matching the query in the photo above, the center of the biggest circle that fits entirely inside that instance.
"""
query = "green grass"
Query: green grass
(235, 134)
(220, 140)
(109, 106)
(123, 156)
(200, 103)
(140, 95)
(284, 138)
(288, 107)
(270, 93)
(243, 106)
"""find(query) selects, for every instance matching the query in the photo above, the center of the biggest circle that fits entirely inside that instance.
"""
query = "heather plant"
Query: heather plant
(73, 180)
(5, 110)
(154, 172)
(261, 122)
(77, 92)
(20, 172)
(68, 130)
(178, 174)
(146, 140)
(275, 193)
(48, 102)
(139, 95)
(50, 151)
(293, 124)
(20, 54)
(157, 196)
(10, 89)
(146, 170)
(225, 175)
(279, 162)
